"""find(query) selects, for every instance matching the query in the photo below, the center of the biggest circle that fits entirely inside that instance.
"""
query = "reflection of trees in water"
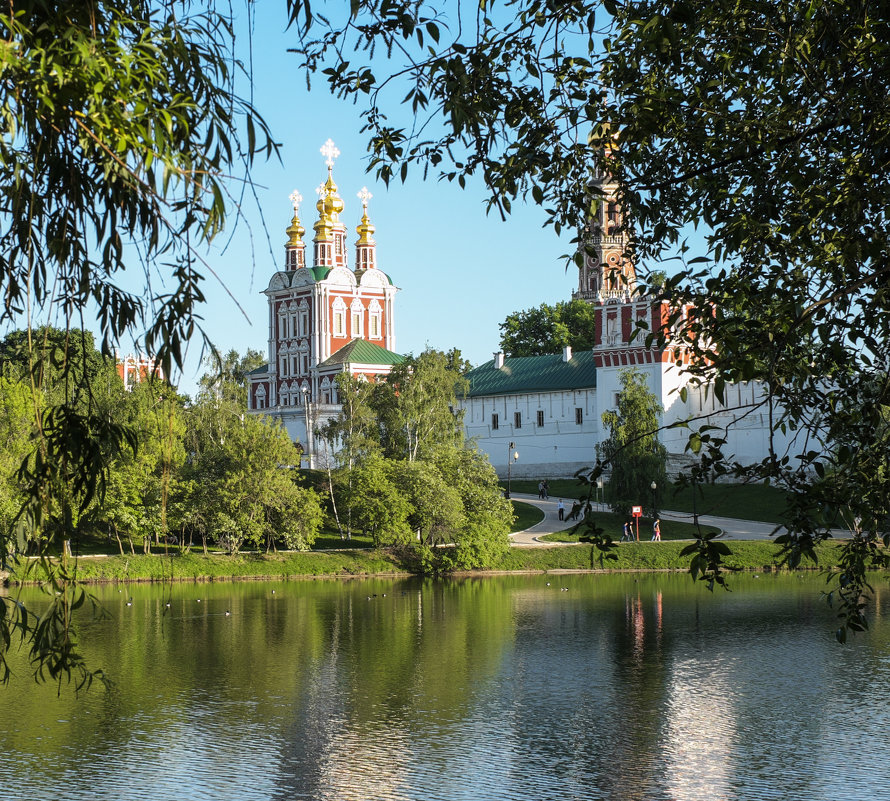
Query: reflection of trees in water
(398, 653)
(618, 688)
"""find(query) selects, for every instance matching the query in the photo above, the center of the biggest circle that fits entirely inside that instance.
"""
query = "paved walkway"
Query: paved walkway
(732, 528)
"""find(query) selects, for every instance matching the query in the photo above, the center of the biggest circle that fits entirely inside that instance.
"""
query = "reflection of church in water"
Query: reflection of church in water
(324, 319)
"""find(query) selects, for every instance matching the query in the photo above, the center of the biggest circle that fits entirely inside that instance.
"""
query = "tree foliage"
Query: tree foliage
(120, 126)
(763, 124)
(548, 329)
(631, 452)
(405, 474)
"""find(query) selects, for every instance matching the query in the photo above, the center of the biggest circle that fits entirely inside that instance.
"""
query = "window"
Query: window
(517, 419)
(375, 327)
(294, 364)
(356, 324)
(284, 365)
(339, 325)
(304, 323)
(494, 422)
(304, 363)
(579, 416)
(540, 418)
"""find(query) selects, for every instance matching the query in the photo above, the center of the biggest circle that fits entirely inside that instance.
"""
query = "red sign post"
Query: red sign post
(637, 512)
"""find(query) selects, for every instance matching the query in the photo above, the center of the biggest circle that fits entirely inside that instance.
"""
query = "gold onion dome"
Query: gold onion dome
(330, 204)
(365, 229)
(295, 230)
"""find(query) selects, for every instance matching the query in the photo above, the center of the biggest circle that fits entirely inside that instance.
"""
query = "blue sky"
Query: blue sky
(460, 272)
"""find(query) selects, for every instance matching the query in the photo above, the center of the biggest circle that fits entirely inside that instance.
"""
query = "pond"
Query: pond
(594, 687)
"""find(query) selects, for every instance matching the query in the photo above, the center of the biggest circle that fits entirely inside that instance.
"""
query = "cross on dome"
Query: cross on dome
(320, 189)
(296, 199)
(330, 152)
(364, 196)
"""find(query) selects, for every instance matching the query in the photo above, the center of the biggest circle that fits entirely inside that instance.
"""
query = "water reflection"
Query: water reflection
(618, 688)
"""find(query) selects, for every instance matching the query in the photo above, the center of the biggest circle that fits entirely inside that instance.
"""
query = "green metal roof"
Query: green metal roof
(534, 374)
(319, 273)
(258, 370)
(360, 351)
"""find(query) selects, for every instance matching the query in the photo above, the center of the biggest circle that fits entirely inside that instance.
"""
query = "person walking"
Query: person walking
(626, 536)
(656, 531)
(546, 489)
(541, 490)
(561, 510)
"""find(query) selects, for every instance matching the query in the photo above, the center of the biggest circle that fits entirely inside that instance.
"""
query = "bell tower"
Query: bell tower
(606, 271)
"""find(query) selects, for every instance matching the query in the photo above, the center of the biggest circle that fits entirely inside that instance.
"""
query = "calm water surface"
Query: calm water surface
(499, 688)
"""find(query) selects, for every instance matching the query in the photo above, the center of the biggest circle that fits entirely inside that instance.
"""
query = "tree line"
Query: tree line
(202, 471)
(192, 471)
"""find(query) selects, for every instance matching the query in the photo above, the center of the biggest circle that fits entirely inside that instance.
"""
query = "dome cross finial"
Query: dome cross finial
(364, 196)
(296, 199)
(330, 152)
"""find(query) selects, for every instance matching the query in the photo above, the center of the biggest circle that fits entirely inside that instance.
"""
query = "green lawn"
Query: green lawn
(742, 501)
(526, 516)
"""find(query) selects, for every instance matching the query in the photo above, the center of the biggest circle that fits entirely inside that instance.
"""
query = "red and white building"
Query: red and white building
(134, 369)
(324, 319)
(549, 408)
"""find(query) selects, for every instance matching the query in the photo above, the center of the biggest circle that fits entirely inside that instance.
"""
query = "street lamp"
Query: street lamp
(305, 390)
(512, 456)
(653, 486)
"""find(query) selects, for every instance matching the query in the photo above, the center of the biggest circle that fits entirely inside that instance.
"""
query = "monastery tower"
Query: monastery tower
(325, 319)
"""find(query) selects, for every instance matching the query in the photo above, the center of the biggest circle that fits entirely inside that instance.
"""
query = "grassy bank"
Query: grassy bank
(198, 567)
(752, 555)
(746, 555)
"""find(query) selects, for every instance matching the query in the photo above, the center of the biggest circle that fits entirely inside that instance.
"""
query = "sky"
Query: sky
(460, 272)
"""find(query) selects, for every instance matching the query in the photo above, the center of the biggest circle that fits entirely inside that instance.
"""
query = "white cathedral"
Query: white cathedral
(330, 318)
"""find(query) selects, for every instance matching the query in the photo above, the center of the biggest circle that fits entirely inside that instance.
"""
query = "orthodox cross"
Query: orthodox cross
(330, 152)
(364, 196)
(296, 198)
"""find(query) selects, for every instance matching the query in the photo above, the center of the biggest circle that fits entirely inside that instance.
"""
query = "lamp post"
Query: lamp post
(653, 486)
(512, 456)
(305, 391)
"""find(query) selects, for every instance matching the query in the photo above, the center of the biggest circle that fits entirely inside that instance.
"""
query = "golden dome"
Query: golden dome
(365, 229)
(295, 232)
(329, 206)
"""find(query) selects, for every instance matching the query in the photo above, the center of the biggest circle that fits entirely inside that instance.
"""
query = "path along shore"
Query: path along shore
(732, 528)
